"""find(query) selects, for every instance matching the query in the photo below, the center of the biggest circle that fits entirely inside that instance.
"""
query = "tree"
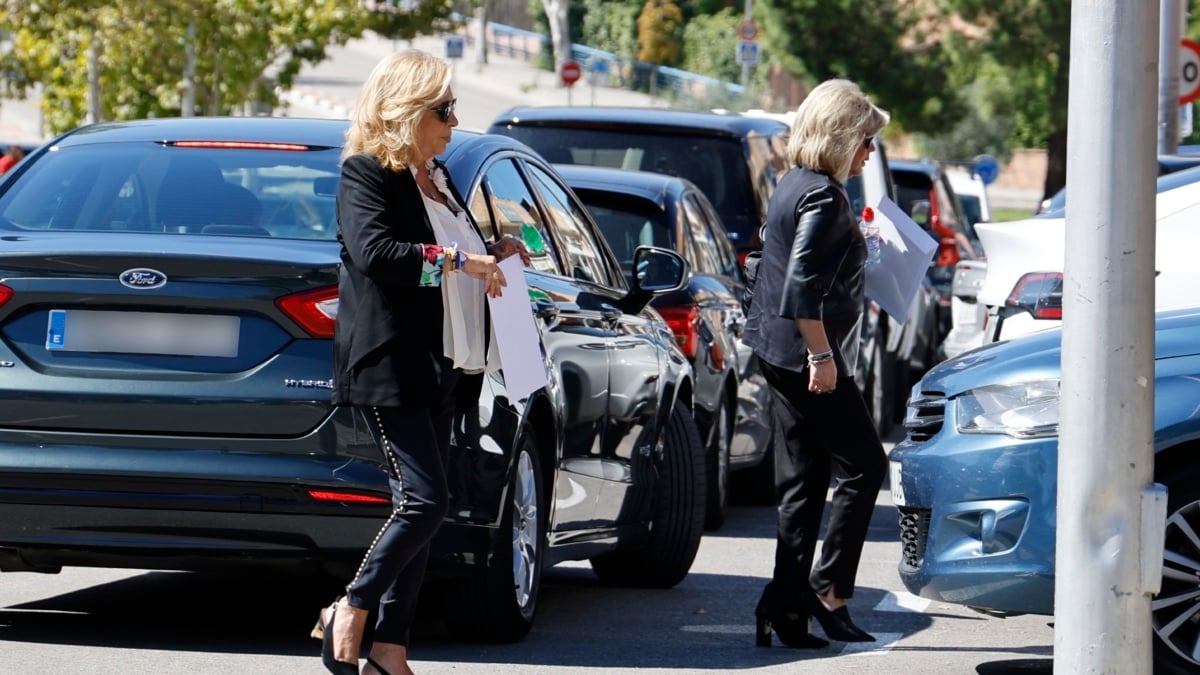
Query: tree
(140, 66)
(1030, 41)
(560, 30)
(891, 48)
(406, 20)
(710, 45)
(659, 32)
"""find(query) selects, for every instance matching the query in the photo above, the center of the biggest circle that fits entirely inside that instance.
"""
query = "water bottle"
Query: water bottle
(871, 234)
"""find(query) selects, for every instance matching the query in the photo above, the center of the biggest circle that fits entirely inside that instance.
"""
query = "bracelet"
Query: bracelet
(460, 259)
(449, 258)
(822, 357)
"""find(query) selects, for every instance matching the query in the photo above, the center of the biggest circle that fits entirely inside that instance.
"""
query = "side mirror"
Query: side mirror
(658, 270)
(655, 271)
(920, 213)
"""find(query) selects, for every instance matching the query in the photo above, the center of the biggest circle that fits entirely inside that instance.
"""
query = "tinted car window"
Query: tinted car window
(707, 260)
(627, 223)
(511, 210)
(581, 251)
(177, 190)
(729, 262)
(717, 165)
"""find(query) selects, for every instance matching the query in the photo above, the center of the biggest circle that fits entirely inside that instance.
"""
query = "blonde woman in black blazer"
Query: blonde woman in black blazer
(804, 326)
(411, 336)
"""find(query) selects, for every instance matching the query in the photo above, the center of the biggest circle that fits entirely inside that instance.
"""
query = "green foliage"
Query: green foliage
(407, 24)
(882, 45)
(609, 25)
(710, 45)
(141, 49)
(660, 27)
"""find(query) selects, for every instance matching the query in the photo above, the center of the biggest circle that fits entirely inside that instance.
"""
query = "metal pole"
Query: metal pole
(1171, 17)
(748, 15)
(1109, 513)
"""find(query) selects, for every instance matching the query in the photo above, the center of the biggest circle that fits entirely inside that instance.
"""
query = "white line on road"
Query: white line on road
(902, 602)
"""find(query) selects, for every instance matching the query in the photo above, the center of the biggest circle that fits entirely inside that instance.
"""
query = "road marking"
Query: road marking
(882, 645)
(902, 602)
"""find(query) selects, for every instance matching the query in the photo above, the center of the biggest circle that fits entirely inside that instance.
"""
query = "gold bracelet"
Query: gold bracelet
(449, 259)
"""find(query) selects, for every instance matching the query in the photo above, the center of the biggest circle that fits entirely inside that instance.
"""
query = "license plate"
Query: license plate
(897, 486)
(81, 330)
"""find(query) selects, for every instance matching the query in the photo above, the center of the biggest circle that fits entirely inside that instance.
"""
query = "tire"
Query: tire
(1176, 602)
(880, 379)
(717, 469)
(499, 603)
(678, 513)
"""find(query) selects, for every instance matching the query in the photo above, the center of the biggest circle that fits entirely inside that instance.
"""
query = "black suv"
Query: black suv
(735, 160)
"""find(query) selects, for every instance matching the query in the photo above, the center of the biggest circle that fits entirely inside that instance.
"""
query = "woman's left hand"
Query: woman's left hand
(508, 245)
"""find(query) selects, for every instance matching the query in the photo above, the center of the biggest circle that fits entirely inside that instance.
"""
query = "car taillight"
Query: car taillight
(315, 310)
(1039, 293)
(6, 294)
(350, 497)
(685, 324)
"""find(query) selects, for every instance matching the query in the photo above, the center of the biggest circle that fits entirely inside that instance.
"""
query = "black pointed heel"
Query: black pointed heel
(836, 623)
(331, 664)
(791, 628)
(376, 666)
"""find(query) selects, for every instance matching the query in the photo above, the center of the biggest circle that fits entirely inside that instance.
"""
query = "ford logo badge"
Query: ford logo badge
(143, 278)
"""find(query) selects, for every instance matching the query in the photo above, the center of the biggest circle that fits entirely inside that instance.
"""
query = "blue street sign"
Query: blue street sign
(988, 168)
(454, 47)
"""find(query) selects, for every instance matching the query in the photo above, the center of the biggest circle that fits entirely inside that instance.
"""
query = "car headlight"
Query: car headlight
(1022, 410)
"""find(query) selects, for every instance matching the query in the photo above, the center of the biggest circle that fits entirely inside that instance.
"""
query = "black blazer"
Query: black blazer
(387, 346)
(812, 266)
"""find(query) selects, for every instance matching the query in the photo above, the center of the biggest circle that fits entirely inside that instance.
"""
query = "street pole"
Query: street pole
(748, 15)
(1111, 517)
(1171, 17)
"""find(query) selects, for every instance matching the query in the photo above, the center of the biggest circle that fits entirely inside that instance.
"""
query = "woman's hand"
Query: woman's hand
(484, 268)
(822, 377)
(508, 245)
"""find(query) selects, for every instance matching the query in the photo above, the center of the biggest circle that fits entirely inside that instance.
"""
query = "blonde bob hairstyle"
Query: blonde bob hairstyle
(830, 126)
(396, 94)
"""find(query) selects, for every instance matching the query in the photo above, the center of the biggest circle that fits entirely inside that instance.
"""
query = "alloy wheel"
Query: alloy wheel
(525, 529)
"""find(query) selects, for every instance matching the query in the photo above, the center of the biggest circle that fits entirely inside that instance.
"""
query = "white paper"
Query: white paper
(904, 256)
(516, 334)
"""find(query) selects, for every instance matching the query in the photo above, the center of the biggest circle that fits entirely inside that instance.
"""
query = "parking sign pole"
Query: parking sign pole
(747, 15)
(1110, 518)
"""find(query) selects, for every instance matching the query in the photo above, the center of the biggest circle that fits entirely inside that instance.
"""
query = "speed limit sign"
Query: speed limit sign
(1189, 71)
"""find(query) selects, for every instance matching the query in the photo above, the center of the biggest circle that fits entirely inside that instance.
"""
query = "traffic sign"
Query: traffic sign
(747, 29)
(1189, 71)
(987, 168)
(454, 47)
(748, 52)
(570, 72)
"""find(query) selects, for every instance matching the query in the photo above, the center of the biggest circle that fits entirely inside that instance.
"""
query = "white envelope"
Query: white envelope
(516, 334)
(905, 253)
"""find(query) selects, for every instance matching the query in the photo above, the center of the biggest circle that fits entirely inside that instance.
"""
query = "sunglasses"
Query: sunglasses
(445, 110)
(866, 144)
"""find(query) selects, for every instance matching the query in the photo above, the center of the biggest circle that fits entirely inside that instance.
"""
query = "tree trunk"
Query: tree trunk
(1056, 144)
(93, 79)
(560, 31)
(481, 40)
(188, 109)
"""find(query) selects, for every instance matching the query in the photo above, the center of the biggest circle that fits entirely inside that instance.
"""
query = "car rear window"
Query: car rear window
(720, 166)
(627, 223)
(151, 187)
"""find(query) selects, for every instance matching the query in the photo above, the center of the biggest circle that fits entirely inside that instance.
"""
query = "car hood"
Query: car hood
(1037, 245)
(1037, 355)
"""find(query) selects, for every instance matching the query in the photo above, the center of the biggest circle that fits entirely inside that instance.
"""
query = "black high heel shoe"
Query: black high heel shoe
(324, 632)
(835, 622)
(791, 627)
(376, 666)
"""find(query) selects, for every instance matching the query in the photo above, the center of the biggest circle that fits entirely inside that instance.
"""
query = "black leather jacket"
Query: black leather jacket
(812, 268)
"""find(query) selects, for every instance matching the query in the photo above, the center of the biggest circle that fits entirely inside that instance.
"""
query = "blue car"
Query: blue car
(975, 481)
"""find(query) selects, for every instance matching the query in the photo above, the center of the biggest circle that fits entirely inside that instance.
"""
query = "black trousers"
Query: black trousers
(818, 436)
(415, 442)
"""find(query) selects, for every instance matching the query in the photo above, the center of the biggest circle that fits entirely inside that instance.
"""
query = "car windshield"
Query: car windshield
(719, 166)
(1056, 206)
(168, 189)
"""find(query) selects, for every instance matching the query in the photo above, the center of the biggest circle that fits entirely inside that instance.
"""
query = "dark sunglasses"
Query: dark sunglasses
(445, 110)
(867, 142)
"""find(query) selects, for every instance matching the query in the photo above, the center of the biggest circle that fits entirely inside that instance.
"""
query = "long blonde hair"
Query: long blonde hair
(390, 105)
(831, 124)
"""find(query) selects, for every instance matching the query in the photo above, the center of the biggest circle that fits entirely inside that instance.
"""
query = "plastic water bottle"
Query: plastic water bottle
(871, 234)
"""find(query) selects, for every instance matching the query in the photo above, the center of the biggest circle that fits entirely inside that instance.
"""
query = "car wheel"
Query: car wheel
(1174, 609)
(881, 380)
(677, 520)
(502, 609)
(717, 469)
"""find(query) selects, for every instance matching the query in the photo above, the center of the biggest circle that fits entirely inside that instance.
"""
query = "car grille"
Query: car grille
(914, 532)
(926, 412)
